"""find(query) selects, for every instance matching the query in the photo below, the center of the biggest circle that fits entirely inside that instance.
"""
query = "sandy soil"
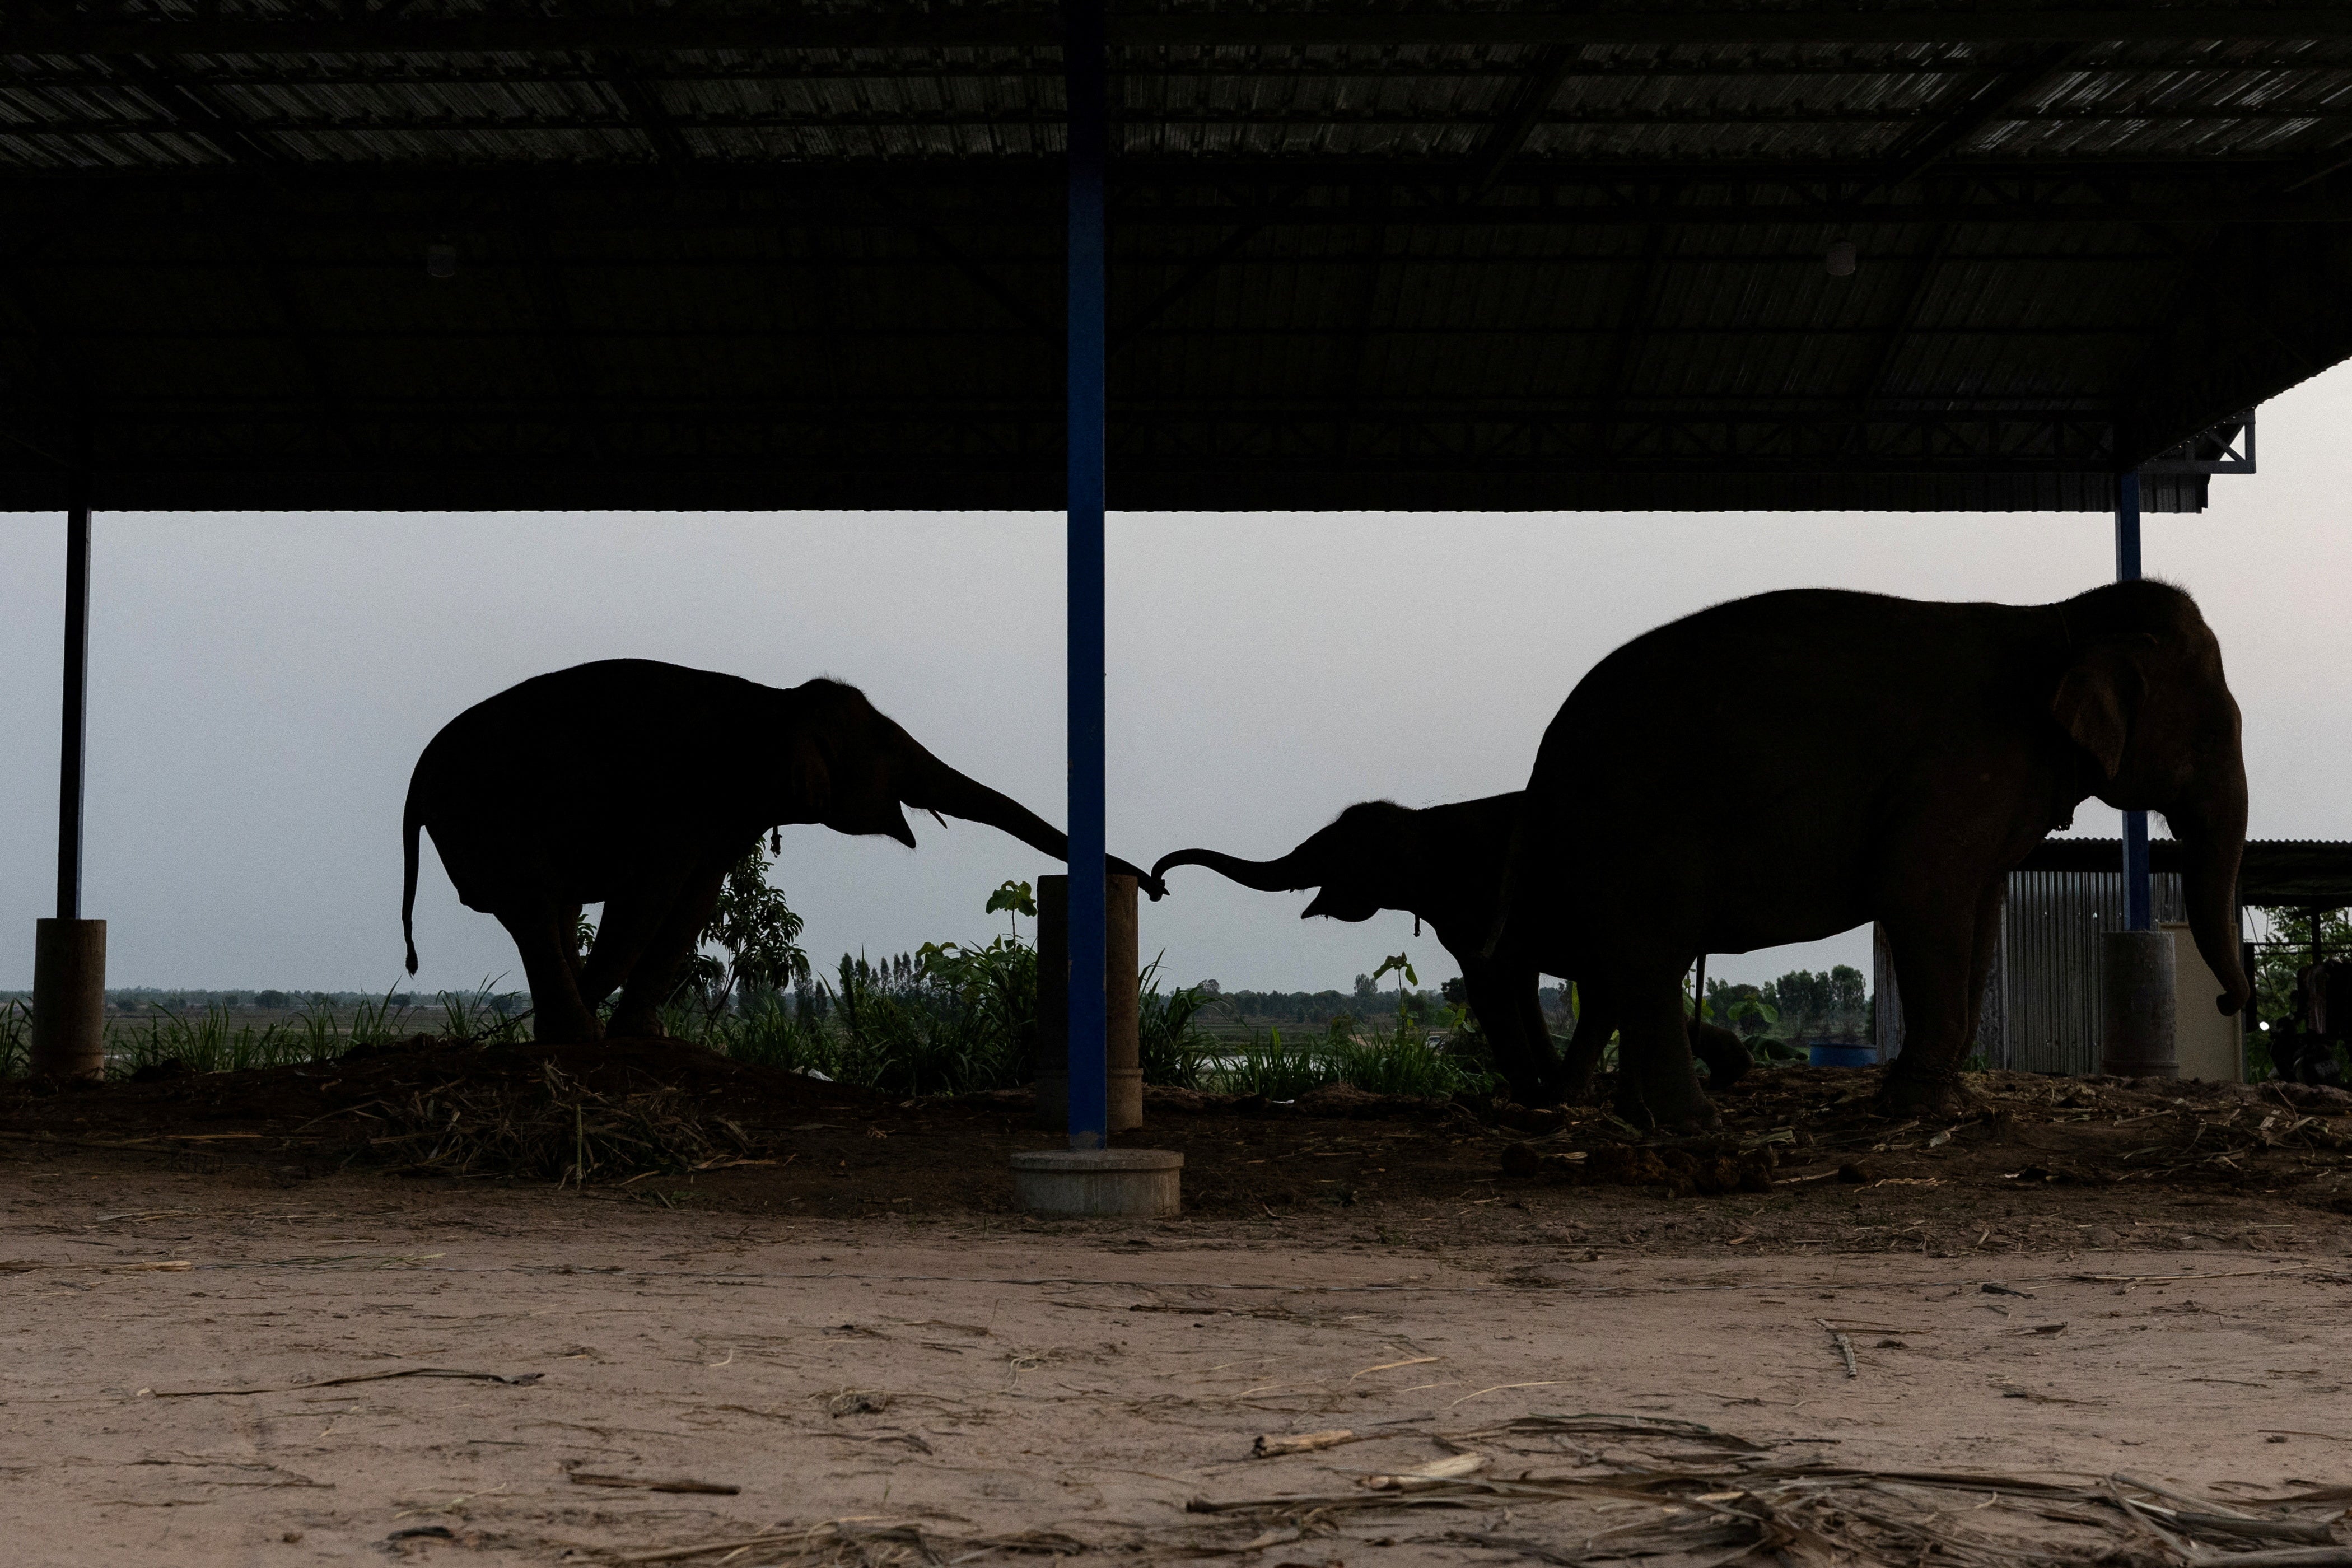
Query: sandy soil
(965, 1385)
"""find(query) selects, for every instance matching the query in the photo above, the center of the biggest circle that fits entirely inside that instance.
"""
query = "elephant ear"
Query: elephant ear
(2099, 698)
(809, 776)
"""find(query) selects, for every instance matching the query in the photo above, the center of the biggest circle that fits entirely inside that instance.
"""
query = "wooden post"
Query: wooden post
(1122, 1002)
(69, 998)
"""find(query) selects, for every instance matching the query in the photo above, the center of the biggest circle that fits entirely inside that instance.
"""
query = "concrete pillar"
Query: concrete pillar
(1122, 1000)
(69, 998)
(2137, 991)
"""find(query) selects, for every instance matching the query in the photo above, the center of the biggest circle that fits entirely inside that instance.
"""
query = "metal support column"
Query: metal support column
(1086, 77)
(73, 748)
(68, 951)
(2139, 908)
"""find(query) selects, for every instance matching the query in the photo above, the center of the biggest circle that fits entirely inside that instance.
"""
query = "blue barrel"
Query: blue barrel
(1831, 1054)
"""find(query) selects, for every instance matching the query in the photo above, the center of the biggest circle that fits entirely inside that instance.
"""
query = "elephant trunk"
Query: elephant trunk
(2212, 843)
(932, 785)
(1261, 875)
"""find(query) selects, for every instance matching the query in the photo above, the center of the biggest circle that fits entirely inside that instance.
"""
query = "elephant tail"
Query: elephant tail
(412, 823)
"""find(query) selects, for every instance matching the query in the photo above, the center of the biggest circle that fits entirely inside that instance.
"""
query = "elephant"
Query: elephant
(1897, 759)
(2303, 1044)
(638, 783)
(1443, 864)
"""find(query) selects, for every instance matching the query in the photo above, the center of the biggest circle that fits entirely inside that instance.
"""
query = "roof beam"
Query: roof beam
(233, 142)
(1989, 102)
(1919, 275)
(641, 112)
(1519, 121)
(1505, 136)
(48, 32)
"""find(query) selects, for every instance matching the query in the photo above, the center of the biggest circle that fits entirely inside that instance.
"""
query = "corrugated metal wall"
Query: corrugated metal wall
(2041, 1000)
(2049, 966)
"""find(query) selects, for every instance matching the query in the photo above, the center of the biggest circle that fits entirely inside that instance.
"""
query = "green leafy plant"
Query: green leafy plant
(760, 934)
(208, 1042)
(1013, 899)
(478, 1018)
(1170, 1042)
(1265, 1064)
(16, 1038)
(1401, 1061)
(380, 1023)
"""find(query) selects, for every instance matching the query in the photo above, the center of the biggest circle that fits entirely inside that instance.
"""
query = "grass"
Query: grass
(1400, 1059)
(16, 1038)
(211, 1041)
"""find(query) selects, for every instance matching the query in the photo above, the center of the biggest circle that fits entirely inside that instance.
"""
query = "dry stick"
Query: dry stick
(522, 1380)
(672, 1554)
(679, 1484)
(1844, 1347)
(1270, 1445)
(2158, 1489)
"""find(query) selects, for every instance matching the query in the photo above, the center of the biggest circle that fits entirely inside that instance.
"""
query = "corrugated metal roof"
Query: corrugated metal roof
(1498, 255)
(2275, 870)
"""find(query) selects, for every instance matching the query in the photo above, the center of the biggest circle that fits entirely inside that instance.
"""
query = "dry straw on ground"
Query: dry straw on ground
(555, 1127)
(1691, 1492)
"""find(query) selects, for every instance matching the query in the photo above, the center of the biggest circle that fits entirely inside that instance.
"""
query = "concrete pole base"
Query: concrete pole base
(2137, 995)
(1104, 1183)
(68, 999)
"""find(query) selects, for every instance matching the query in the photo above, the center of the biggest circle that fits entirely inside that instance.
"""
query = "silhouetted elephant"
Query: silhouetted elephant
(1964, 733)
(2303, 1044)
(1441, 864)
(637, 784)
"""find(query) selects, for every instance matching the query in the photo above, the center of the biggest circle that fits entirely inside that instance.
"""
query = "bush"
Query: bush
(1400, 1060)
(1265, 1064)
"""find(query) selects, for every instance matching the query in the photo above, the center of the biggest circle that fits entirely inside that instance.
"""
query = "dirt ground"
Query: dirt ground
(237, 1334)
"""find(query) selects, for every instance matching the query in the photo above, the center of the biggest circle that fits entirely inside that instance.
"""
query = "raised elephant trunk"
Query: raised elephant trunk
(932, 785)
(2210, 850)
(1261, 876)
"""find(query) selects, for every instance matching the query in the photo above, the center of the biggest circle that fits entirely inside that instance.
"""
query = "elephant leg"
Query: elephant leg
(1595, 1022)
(1537, 1030)
(633, 915)
(569, 923)
(1725, 1054)
(655, 974)
(1941, 958)
(548, 942)
(1981, 957)
(1494, 996)
(1654, 1059)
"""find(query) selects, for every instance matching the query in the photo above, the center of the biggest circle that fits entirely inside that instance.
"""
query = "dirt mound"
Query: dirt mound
(371, 1085)
(1796, 1125)
(1802, 1156)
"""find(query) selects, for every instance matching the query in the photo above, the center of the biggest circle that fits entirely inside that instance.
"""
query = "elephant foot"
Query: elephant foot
(1925, 1094)
(1680, 1117)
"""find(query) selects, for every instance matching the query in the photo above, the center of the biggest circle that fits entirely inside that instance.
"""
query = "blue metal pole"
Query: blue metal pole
(1084, 76)
(2139, 905)
(73, 745)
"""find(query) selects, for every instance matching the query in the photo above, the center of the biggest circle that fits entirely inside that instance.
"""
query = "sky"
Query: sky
(261, 685)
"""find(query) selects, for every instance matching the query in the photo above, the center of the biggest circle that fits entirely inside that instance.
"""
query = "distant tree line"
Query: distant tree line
(1803, 1005)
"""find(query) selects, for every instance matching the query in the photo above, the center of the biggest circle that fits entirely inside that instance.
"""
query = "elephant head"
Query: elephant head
(842, 763)
(2143, 695)
(1361, 863)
